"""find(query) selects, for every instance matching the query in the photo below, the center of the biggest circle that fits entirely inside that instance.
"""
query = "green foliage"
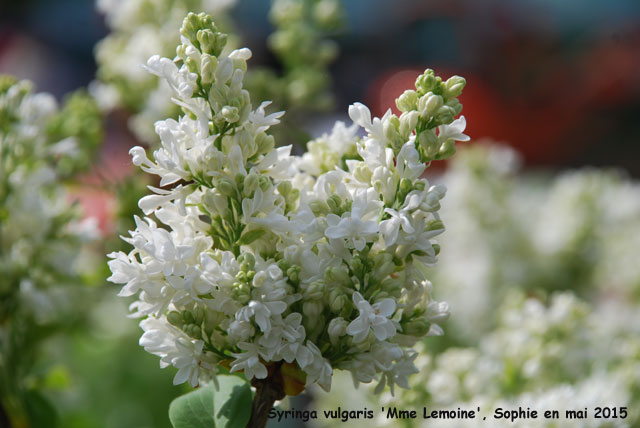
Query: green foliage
(207, 407)
(79, 118)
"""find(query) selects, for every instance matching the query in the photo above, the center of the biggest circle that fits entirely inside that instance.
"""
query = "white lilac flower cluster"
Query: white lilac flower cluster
(39, 233)
(564, 355)
(577, 231)
(555, 357)
(139, 29)
(249, 259)
(567, 241)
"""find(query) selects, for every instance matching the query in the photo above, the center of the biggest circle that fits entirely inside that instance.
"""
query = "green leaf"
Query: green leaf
(232, 403)
(207, 407)
(41, 413)
(193, 410)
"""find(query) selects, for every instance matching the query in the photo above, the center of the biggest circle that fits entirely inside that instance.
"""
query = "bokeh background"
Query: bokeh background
(557, 80)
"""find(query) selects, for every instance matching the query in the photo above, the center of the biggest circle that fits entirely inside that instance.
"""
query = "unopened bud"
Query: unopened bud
(453, 86)
(175, 318)
(407, 101)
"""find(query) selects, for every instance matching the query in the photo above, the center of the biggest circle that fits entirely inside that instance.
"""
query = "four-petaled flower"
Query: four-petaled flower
(375, 317)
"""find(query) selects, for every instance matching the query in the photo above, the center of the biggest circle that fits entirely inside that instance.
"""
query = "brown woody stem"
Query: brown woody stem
(268, 391)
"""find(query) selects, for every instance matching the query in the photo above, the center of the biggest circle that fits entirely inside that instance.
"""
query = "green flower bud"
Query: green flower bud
(193, 330)
(230, 114)
(362, 173)
(208, 66)
(337, 300)
(405, 186)
(408, 122)
(428, 144)
(293, 273)
(417, 327)
(336, 329)
(337, 275)
(356, 264)
(455, 105)
(429, 104)
(312, 308)
(175, 319)
(419, 185)
(208, 41)
(428, 82)
(192, 65)
(315, 290)
(435, 225)
(219, 44)
(436, 248)
(211, 320)
(334, 203)
(241, 292)
(453, 86)
(250, 183)
(284, 188)
(390, 287)
(264, 183)
(198, 315)
(447, 149)
(187, 317)
(226, 186)
(327, 13)
(283, 265)
(265, 143)
(248, 260)
(445, 115)
(318, 207)
(408, 101)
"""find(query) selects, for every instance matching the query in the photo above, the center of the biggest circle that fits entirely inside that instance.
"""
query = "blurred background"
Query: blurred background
(559, 81)
(556, 79)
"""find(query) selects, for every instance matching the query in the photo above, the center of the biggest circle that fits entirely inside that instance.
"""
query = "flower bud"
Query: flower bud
(284, 188)
(435, 225)
(208, 65)
(250, 183)
(445, 114)
(334, 202)
(312, 308)
(192, 65)
(230, 114)
(337, 300)
(187, 317)
(315, 290)
(453, 86)
(405, 186)
(337, 328)
(362, 173)
(247, 261)
(175, 318)
(198, 315)
(318, 207)
(427, 82)
(429, 104)
(417, 327)
(193, 330)
(447, 149)
(293, 273)
(264, 183)
(337, 275)
(265, 143)
(407, 101)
